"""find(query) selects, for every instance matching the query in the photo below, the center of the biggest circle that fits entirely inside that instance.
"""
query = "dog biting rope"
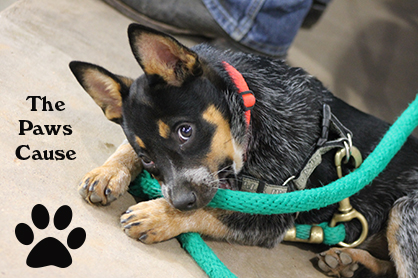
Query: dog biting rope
(297, 201)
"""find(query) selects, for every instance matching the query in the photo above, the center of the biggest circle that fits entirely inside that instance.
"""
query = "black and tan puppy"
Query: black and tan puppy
(187, 124)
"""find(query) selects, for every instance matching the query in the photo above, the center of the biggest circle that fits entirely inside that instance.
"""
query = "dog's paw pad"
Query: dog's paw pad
(50, 251)
(331, 261)
(345, 259)
(335, 262)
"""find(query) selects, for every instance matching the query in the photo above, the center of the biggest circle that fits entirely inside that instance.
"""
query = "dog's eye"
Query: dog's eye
(146, 161)
(185, 132)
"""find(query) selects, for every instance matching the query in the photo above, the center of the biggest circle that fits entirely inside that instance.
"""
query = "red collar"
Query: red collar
(243, 90)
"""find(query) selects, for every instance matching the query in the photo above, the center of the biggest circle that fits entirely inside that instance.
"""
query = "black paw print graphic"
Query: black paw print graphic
(50, 251)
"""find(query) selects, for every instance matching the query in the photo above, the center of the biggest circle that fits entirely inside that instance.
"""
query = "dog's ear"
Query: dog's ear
(106, 88)
(162, 57)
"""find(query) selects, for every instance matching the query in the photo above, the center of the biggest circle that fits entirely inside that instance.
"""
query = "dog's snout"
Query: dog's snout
(189, 189)
(186, 201)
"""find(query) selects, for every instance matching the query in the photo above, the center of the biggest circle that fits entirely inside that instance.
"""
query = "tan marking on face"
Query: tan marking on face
(223, 146)
(163, 129)
(140, 142)
(394, 250)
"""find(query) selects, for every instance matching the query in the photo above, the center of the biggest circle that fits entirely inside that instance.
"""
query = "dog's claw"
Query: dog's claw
(143, 237)
(87, 181)
(131, 225)
(91, 188)
(126, 219)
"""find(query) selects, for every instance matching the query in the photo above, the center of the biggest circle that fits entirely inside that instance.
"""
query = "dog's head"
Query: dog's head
(175, 116)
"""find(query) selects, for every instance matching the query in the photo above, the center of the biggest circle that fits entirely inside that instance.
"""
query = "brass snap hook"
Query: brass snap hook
(350, 214)
(346, 211)
(353, 153)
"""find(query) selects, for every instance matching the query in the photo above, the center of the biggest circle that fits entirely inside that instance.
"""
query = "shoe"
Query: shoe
(180, 17)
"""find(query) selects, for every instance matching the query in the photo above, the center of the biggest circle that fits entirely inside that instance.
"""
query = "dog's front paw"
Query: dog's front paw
(153, 221)
(336, 262)
(105, 184)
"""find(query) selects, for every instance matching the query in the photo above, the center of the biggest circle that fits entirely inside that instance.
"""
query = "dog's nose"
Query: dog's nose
(186, 201)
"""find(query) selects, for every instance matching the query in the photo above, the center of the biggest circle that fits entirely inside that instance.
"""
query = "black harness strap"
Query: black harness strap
(330, 123)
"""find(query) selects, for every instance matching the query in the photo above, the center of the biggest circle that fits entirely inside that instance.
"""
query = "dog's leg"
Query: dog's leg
(343, 262)
(106, 183)
(402, 236)
(156, 220)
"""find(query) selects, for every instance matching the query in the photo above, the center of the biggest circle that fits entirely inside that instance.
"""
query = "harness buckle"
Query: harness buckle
(346, 211)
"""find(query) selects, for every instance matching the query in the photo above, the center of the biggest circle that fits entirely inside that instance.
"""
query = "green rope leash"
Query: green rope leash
(297, 201)
(146, 187)
(336, 191)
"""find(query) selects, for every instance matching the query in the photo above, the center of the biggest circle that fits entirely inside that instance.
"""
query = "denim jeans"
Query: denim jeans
(264, 25)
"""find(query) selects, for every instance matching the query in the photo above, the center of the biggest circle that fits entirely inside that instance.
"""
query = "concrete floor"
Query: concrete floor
(6, 3)
(364, 51)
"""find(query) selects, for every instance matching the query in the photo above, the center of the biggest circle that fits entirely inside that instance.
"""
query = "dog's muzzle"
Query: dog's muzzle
(191, 196)
(195, 188)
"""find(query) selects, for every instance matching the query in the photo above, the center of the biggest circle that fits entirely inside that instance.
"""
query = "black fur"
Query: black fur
(285, 124)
